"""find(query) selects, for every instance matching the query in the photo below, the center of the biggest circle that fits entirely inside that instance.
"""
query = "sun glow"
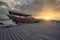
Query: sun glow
(47, 14)
(47, 18)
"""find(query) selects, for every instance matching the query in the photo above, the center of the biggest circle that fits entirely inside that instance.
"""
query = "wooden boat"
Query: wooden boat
(22, 18)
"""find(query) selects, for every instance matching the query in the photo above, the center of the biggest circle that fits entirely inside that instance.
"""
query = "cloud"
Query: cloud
(38, 5)
(32, 7)
(3, 3)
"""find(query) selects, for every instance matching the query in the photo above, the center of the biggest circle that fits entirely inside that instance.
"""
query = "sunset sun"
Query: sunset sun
(47, 18)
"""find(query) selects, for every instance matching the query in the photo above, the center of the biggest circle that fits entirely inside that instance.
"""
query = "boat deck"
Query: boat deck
(38, 31)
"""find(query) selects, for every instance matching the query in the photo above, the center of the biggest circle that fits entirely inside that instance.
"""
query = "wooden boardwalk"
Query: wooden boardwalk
(30, 32)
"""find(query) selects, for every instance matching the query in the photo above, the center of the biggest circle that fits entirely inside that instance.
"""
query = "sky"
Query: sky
(36, 8)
